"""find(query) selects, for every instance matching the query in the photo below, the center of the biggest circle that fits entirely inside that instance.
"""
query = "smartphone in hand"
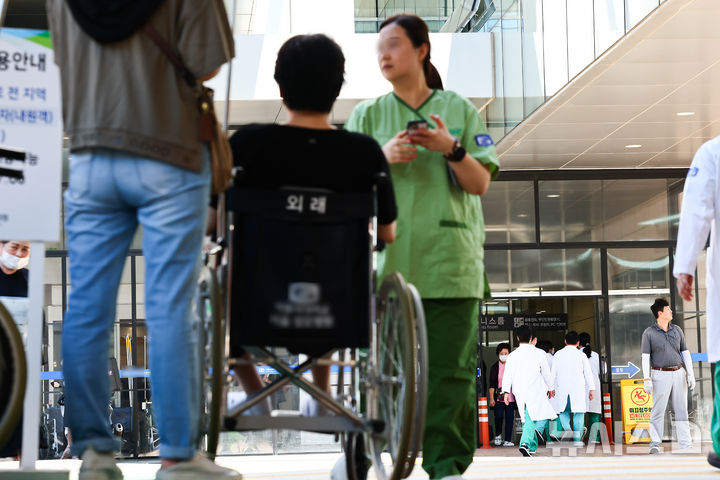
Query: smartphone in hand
(414, 125)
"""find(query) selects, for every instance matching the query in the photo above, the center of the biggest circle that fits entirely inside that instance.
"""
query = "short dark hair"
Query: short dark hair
(524, 333)
(545, 345)
(658, 306)
(571, 337)
(310, 71)
(500, 347)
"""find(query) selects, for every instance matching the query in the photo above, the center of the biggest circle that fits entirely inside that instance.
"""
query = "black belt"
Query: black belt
(668, 369)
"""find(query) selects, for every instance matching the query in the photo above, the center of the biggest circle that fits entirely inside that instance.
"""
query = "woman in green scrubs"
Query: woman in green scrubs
(439, 174)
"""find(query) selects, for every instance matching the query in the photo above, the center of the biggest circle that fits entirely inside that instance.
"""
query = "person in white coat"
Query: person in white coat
(527, 375)
(572, 376)
(699, 209)
(594, 406)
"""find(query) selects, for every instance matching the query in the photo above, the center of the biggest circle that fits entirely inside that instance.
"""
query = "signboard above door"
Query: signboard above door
(540, 321)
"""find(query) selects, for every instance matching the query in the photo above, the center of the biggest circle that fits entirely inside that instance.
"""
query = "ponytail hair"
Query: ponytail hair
(585, 342)
(418, 33)
(432, 76)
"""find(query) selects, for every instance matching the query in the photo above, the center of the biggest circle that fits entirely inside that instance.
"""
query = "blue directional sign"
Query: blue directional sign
(630, 370)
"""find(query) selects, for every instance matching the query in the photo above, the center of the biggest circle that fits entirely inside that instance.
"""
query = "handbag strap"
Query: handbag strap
(171, 55)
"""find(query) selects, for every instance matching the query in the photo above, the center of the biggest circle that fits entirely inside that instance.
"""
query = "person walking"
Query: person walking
(441, 161)
(502, 411)
(136, 160)
(594, 405)
(699, 209)
(664, 352)
(574, 382)
(527, 376)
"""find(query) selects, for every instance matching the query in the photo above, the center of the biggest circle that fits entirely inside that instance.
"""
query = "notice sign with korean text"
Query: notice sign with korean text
(636, 407)
(30, 137)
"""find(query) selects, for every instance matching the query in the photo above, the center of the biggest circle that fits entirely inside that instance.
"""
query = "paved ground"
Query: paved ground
(501, 463)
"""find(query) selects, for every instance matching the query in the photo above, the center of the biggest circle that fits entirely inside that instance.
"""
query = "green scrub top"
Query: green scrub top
(440, 228)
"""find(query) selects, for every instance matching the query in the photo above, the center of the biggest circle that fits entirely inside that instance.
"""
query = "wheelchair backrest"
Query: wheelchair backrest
(301, 266)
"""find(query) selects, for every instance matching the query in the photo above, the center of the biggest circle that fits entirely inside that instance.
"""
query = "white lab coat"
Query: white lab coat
(527, 375)
(549, 359)
(594, 405)
(573, 377)
(697, 216)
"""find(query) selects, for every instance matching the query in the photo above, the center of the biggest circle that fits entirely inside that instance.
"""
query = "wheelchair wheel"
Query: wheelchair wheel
(13, 371)
(357, 462)
(212, 359)
(392, 377)
(421, 381)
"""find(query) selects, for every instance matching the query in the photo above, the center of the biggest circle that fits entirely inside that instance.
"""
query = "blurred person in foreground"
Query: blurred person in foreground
(136, 160)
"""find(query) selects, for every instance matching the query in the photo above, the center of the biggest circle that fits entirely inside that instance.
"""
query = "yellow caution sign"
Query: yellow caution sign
(636, 407)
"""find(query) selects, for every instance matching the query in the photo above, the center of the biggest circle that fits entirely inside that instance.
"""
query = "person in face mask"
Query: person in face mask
(502, 411)
(14, 258)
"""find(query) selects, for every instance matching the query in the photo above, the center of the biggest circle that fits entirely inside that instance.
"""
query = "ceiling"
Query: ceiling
(631, 96)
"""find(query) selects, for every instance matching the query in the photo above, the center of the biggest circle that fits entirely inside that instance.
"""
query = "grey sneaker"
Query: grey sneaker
(98, 466)
(654, 450)
(199, 467)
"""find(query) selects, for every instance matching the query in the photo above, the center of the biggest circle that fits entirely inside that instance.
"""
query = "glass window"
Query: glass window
(597, 210)
(638, 269)
(509, 213)
(609, 23)
(581, 45)
(512, 63)
(543, 271)
(570, 270)
(637, 10)
(556, 45)
(532, 56)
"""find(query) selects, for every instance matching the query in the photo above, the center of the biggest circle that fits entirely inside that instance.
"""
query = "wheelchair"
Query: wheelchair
(297, 273)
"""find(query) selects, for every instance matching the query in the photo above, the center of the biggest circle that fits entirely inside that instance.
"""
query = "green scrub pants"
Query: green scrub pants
(449, 439)
(578, 421)
(593, 418)
(529, 438)
(715, 424)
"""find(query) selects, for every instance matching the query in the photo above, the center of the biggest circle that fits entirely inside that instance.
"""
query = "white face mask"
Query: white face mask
(503, 358)
(13, 262)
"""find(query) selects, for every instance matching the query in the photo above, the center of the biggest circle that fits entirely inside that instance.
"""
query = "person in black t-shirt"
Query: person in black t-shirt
(14, 257)
(308, 151)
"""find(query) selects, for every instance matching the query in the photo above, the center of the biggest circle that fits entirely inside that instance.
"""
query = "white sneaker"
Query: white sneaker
(339, 471)
(498, 440)
(508, 444)
(98, 466)
(654, 450)
(199, 467)
(578, 444)
(453, 477)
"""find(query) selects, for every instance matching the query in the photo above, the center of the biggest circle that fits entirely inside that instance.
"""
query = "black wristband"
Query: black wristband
(457, 153)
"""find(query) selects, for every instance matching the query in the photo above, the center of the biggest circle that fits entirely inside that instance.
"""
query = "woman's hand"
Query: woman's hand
(437, 139)
(492, 402)
(399, 149)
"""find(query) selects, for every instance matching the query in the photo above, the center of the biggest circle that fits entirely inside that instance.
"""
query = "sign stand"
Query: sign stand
(33, 352)
(31, 102)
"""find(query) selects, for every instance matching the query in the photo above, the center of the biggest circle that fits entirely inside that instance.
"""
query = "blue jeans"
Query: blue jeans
(578, 421)
(110, 193)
